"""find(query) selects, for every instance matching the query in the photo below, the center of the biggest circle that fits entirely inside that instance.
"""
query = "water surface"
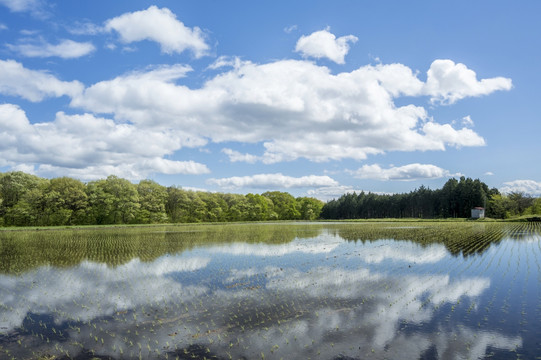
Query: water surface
(321, 291)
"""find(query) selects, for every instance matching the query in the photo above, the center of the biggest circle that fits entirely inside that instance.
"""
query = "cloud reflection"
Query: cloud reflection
(92, 290)
(406, 251)
(325, 243)
(139, 309)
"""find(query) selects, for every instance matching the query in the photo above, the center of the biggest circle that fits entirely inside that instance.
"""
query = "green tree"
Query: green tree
(259, 208)
(66, 202)
(215, 207)
(13, 187)
(177, 204)
(152, 199)
(520, 202)
(100, 203)
(309, 208)
(197, 209)
(499, 207)
(238, 207)
(28, 211)
(285, 205)
(113, 201)
(535, 208)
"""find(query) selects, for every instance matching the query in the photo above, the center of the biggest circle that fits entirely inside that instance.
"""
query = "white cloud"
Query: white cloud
(273, 181)
(3, 26)
(448, 82)
(290, 29)
(446, 134)
(467, 121)
(66, 49)
(29, 169)
(35, 7)
(332, 192)
(85, 28)
(227, 61)
(33, 85)
(139, 97)
(161, 26)
(407, 172)
(530, 187)
(296, 109)
(165, 166)
(88, 147)
(324, 44)
(235, 156)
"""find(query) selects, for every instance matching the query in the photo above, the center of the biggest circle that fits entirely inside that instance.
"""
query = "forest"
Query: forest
(28, 200)
(454, 200)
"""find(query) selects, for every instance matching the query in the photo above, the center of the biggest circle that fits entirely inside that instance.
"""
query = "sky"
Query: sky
(309, 97)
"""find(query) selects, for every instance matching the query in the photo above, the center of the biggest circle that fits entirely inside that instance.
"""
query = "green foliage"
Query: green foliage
(285, 205)
(514, 204)
(20, 198)
(535, 209)
(455, 200)
(309, 208)
(27, 200)
(152, 198)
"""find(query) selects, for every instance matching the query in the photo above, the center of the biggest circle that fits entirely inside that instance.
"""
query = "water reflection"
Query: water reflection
(314, 296)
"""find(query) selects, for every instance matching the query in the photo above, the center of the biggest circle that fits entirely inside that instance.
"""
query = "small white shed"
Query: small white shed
(478, 213)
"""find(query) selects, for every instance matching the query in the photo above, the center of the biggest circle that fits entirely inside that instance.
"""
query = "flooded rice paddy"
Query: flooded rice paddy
(270, 291)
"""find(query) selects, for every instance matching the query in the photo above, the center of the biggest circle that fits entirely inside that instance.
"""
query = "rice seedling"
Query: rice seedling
(143, 296)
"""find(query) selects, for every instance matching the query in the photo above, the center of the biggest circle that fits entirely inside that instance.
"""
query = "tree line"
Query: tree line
(454, 200)
(29, 200)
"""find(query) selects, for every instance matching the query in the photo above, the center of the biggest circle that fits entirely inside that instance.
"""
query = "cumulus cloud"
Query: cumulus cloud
(446, 134)
(292, 108)
(324, 44)
(448, 82)
(273, 181)
(407, 172)
(161, 26)
(66, 49)
(235, 156)
(295, 109)
(141, 97)
(33, 85)
(88, 147)
(530, 187)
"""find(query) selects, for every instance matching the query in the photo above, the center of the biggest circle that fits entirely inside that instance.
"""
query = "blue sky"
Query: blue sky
(309, 97)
